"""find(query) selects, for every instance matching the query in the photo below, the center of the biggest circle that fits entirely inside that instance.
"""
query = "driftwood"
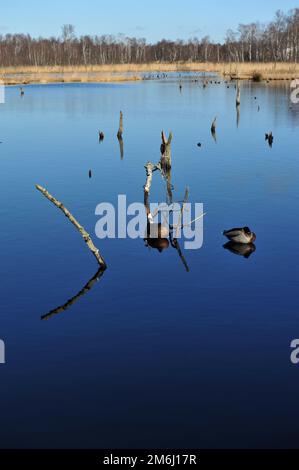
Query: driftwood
(95, 251)
(76, 297)
(166, 150)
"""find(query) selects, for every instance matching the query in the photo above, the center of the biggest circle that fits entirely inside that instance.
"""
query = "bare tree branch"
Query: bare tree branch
(86, 237)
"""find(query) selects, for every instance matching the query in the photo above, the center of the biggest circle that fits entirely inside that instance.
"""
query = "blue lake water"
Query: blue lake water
(152, 355)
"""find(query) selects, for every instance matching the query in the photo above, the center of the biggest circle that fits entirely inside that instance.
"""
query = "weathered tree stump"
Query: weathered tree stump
(120, 135)
(166, 151)
(121, 147)
(149, 167)
(238, 97)
(121, 126)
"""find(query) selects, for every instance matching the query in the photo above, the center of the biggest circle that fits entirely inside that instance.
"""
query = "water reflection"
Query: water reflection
(240, 248)
(235, 181)
(160, 236)
(87, 287)
(213, 129)
(238, 114)
(159, 244)
(121, 146)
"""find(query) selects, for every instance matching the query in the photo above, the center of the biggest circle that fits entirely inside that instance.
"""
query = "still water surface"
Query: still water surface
(152, 355)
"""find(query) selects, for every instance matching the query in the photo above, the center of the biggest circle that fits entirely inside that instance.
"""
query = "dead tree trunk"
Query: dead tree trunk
(149, 167)
(121, 147)
(166, 151)
(238, 97)
(121, 126)
(79, 227)
(120, 135)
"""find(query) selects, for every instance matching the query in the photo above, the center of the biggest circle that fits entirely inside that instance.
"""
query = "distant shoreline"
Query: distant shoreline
(134, 72)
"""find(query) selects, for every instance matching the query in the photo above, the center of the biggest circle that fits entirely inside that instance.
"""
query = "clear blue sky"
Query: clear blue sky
(154, 19)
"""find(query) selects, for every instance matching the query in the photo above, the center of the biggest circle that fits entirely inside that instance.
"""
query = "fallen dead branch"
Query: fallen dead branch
(86, 237)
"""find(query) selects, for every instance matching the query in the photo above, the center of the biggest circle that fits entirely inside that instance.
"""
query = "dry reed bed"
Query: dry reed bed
(110, 73)
(26, 78)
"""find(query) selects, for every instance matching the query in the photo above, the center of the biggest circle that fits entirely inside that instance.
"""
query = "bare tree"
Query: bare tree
(274, 42)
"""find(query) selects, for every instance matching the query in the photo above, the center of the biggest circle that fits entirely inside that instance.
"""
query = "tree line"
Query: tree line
(276, 41)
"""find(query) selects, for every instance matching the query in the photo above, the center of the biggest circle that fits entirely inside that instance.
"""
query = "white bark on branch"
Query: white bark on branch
(149, 167)
(86, 237)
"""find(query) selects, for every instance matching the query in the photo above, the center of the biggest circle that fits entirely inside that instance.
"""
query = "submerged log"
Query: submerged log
(86, 237)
